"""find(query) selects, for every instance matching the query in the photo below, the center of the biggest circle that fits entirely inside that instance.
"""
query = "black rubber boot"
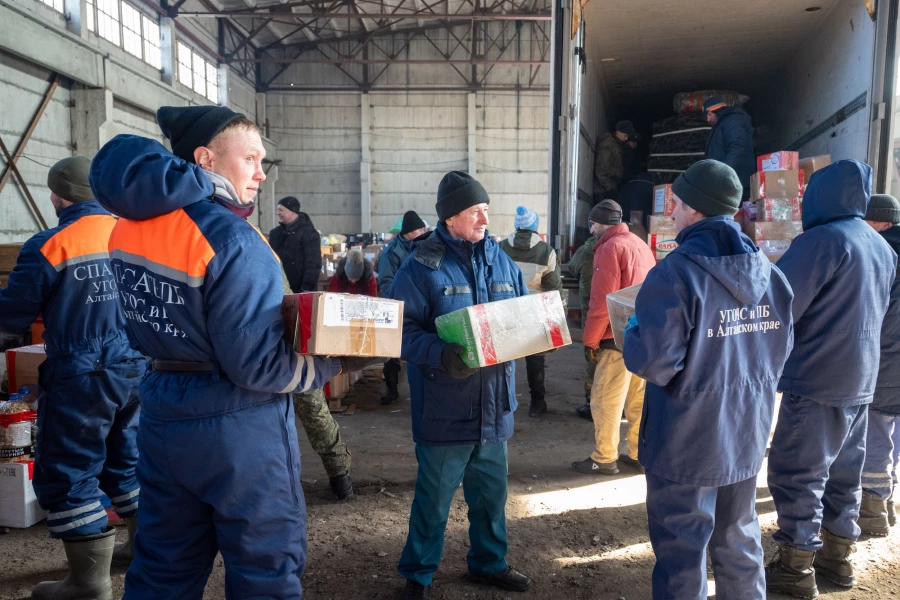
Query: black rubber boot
(416, 591)
(833, 560)
(341, 486)
(584, 411)
(123, 553)
(791, 573)
(89, 558)
(537, 408)
(873, 516)
(390, 396)
(510, 579)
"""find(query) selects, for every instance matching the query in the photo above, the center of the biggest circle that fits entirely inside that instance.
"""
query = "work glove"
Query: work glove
(453, 363)
(632, 322)
(589, 354)
(358, 363)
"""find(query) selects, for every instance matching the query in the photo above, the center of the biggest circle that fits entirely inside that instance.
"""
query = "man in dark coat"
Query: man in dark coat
(731, 139)
(296, 242)
(613, 160)
(841, 272)
(711, 331)
(876, 510)
(461, 417)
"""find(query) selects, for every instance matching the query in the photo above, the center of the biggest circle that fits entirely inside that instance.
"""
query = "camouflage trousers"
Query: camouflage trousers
(323, 432)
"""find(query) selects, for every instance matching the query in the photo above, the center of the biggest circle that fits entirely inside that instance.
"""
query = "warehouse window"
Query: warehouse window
(197, 73)
(151, 42)
(131, 30)
(108, 20)
(56, 4)
(90, 15)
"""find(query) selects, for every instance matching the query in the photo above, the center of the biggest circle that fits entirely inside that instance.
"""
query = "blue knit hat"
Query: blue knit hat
(526, 218)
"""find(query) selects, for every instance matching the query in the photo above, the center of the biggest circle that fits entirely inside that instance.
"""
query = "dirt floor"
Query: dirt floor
(577, 536)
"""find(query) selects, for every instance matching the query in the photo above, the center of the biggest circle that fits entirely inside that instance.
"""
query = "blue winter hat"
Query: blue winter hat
(526, 218)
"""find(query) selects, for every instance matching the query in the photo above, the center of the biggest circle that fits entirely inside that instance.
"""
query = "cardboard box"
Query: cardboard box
(22, 365)
(326, 251)
(776, 184)
(774, 249)
(621, 307)
(759, 231)
(778, 161)
(9, 254)
(332, 324)
(663, 200)
(661, 244)
(812, 164)
(18, 503)
(505, 330)
(338, 386)
(339, 248)
(660, 224)
(774, 209)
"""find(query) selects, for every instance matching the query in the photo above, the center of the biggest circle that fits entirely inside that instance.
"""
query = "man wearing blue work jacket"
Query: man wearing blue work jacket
(461, 417)
(713, 331)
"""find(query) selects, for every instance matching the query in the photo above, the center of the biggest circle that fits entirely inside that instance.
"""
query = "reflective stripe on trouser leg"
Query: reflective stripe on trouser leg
(808, 438)
(127, 504)
(876, 474)
(72, 522)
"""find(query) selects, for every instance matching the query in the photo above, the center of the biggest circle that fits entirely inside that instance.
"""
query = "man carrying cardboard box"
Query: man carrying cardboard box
(879, 485)
(392, 258)
(621, 259)
(841, 272)
(219, 468)
(87, 404)
(711, 330)
(461, 416)
(538, 263)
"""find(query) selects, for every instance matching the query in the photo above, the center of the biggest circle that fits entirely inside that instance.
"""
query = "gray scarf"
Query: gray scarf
(226, 192)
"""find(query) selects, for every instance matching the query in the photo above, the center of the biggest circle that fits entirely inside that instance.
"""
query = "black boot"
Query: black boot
(390, 395)
(416, 591)
(341, 486)
(510, 579)
(791, 573)
(833, 560)
(538, 407)
(391, 381)
(873, 516)
(584, 411)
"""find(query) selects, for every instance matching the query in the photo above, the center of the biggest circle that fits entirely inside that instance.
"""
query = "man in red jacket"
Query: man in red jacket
(354, 275)
(621, 259)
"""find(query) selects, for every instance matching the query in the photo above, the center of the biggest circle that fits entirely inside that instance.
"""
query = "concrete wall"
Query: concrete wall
(110, 92)
(413, 140)
(831, 68)
(22, 88)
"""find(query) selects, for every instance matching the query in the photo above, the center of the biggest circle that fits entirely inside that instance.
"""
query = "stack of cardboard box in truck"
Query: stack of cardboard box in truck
(661, 232)
(772, 216)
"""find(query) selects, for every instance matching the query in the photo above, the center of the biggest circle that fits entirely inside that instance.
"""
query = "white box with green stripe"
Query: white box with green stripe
(505, 330)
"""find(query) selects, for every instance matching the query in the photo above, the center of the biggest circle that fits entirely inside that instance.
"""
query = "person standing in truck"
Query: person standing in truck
(88, 407)
(613, 160)
(202, 294)
(731, 140)
(711, 330)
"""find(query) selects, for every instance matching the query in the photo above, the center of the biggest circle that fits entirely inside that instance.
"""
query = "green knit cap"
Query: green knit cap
(710, 187)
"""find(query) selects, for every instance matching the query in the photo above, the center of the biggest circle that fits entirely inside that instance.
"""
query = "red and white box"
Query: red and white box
(778, 161)
(663, 200)
(18, 503)
(661, 244)
(776, 184)
(22, 366)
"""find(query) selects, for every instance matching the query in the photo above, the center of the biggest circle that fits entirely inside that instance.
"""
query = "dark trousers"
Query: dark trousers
(392, 373)
(534, 367)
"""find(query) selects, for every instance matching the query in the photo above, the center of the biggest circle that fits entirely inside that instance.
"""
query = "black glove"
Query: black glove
(358, 363)
(589, 354)
(453, 362)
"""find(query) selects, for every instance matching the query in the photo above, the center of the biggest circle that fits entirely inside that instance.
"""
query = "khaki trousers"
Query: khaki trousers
(614, 389)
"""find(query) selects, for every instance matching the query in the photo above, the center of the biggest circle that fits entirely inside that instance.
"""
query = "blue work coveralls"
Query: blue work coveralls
(713, 330)
(460, 426)
(88, 408)
(219, 468)
(841, 272)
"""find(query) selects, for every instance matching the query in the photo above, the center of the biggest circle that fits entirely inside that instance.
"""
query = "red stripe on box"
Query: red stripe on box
(484, 328)
(556, 337)
(11, 370)
(304, 321)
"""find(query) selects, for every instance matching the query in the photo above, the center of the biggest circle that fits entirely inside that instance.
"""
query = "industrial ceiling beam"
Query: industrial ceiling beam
(482, 16)
(386, 61)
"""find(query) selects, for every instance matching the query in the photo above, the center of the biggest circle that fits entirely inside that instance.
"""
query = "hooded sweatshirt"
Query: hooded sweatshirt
(887, 390)
(198, 284)
(713, 330)
(841, 272)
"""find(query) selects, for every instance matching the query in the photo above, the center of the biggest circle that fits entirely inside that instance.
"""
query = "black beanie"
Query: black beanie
(411, 222)
(883, 208)
(290, 203)
(627, 128)
(68, 179)
(607, 212)
(189, 127)
(457, 192)
(710, 187)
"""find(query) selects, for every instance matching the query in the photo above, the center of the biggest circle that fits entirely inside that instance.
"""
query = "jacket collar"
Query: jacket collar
(80, 209)
(612, 232)
(431, 251)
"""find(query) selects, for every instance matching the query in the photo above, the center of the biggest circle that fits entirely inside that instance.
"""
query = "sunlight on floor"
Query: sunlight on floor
(628, 491)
